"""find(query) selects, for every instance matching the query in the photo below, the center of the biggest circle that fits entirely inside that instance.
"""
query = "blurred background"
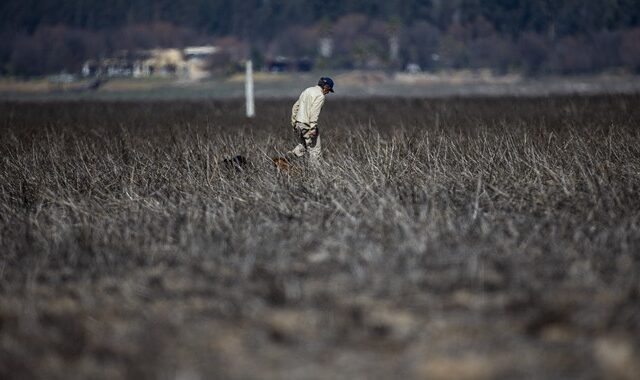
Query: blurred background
(200, 40)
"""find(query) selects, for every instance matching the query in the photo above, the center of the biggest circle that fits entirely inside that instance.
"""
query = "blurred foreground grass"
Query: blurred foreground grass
(441, 239)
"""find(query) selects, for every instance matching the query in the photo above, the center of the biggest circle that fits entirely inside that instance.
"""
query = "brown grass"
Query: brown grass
(440, 239)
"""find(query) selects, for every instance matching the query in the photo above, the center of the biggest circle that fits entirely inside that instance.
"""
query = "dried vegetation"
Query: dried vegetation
(457, 238)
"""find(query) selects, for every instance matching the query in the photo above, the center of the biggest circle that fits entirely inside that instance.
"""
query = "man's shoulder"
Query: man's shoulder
(305, 91)
(316, 91)
(312, 92)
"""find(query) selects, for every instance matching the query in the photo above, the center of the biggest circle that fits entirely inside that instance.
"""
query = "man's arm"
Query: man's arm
(316, 107)
(294, 112)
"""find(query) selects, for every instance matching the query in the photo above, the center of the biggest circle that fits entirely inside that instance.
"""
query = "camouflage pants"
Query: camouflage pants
(309, 140)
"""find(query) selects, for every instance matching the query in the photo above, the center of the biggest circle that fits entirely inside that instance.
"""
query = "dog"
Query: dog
(238, 163)
(288, 165)
(283, 164)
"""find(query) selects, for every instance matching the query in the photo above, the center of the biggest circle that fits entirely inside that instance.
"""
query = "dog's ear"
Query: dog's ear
(237, 163)
(240, 160)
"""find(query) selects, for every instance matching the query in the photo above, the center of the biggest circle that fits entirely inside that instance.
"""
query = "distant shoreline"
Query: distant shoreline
(356, 84)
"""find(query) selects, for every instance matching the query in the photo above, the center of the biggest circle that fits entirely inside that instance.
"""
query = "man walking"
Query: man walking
(304, 119)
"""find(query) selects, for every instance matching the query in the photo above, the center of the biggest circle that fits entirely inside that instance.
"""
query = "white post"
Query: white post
(248, 89)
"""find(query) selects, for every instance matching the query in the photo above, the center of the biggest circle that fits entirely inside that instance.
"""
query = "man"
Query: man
(304, 119)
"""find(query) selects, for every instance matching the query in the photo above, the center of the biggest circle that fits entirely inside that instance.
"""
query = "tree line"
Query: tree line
(535, 36)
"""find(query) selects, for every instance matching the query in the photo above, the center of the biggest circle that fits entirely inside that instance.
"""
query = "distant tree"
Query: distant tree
(26, 57)
(606, 49)
(453, 49)
(6, 49)
(493, 52)
(419, 44)
(630, 49)
(294, 42)
(533, 50)
(470, 33)
(154, 35)
(53, 49)
(261, 18)
(572, 55)
(352, 45)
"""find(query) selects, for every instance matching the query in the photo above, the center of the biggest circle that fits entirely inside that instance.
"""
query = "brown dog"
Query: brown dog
(287, 165)
(283, 164)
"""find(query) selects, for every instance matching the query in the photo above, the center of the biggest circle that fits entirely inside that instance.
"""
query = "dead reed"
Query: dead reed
(456, 238)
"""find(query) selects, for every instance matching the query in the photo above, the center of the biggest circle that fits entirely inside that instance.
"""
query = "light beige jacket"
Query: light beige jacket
(307, 108)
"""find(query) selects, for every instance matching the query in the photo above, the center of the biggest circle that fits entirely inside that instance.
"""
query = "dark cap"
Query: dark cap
(326, 81)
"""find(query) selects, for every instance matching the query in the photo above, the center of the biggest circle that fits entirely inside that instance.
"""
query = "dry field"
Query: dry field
(441, 239)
